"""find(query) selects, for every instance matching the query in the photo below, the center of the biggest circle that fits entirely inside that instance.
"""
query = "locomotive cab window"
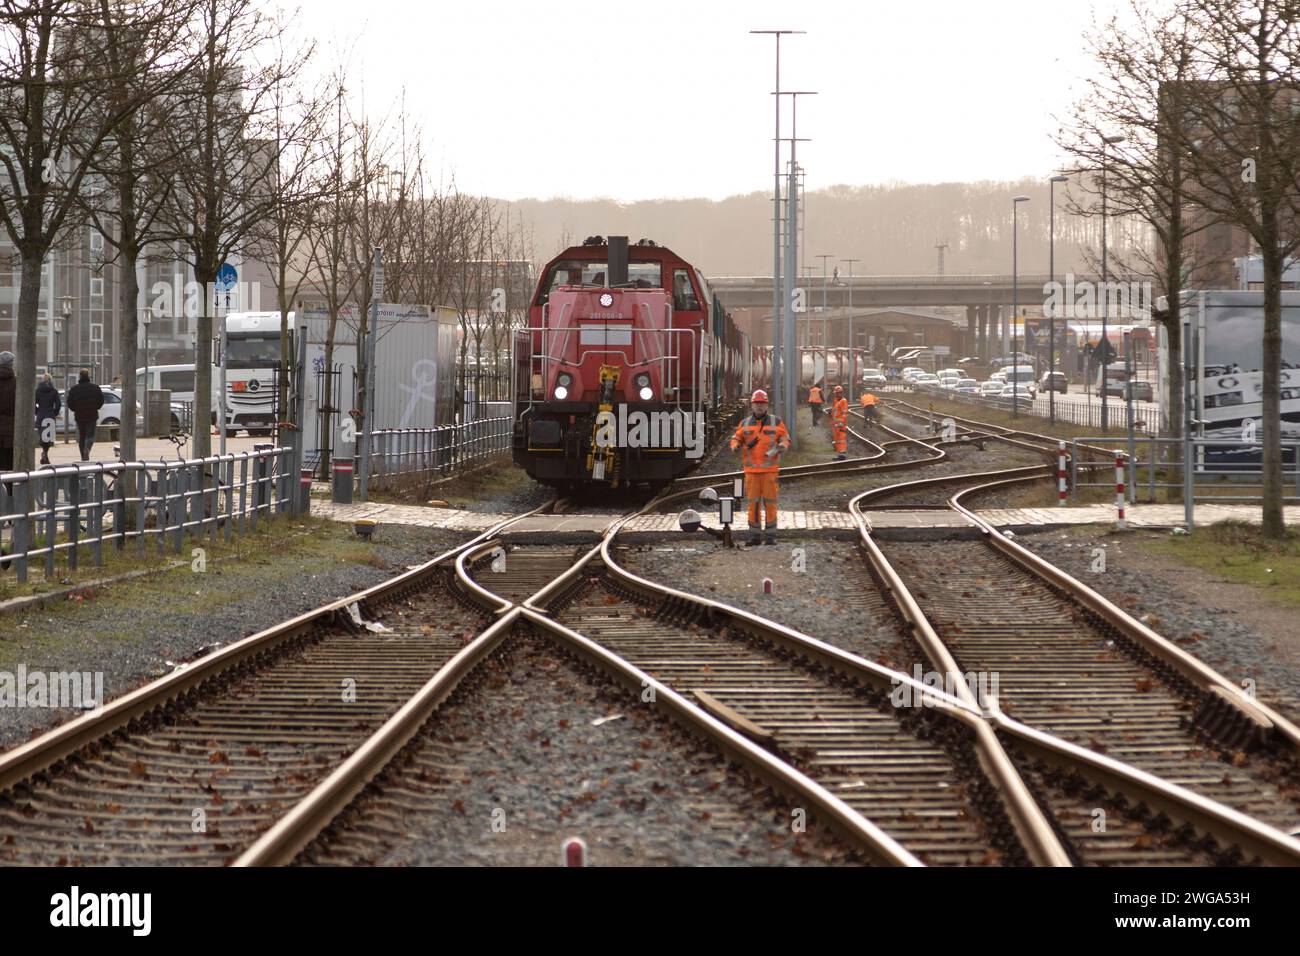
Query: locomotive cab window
(684, 298)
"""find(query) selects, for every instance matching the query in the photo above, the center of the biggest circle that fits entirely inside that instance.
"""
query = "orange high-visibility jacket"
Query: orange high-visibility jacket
(840, 412)
(868, 399)
(815, 396)
(756, 438)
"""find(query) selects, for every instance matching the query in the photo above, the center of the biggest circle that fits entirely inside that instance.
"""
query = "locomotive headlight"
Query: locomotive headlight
(643, 386)
(647, 393)
(561, 393)
(565, 379)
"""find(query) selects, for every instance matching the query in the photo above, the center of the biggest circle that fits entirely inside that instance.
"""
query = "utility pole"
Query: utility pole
(776, 396)
(368, 400)
(941, 246)
(853, 341)
(793, 367)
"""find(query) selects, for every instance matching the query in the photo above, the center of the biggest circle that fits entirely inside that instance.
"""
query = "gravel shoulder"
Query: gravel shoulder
(136, 630)
(542, 748)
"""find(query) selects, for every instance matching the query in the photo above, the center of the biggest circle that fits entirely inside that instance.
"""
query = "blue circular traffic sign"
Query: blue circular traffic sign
(227, 276)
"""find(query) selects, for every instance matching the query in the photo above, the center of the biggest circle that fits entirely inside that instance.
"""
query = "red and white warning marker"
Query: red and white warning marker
(767, 585)
(1060, 475)
(1121, 522)
(575, 852)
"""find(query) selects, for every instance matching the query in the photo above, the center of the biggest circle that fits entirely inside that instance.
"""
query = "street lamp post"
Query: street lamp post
(65, 310)
(1051, 319)
(146, 318)
(1105, 282)
(1015, 301)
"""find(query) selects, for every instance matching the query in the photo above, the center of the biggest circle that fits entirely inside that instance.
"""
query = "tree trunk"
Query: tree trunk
(128, 292)
(1271, 519)
(25, 365)
(202, 438)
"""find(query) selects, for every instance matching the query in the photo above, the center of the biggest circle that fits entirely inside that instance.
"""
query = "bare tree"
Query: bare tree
(53, 122)
(1136, 94)
(225, 184)
(138, 45)
(282, 238)
(1241, 144)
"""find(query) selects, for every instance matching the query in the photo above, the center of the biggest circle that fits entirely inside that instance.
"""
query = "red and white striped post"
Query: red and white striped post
(1121, 523)
(1060, 475)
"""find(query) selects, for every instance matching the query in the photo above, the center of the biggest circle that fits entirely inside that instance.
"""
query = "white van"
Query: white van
(178, 379)
(1020, 380)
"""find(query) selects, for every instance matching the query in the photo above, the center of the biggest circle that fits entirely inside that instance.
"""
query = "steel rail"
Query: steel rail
(1197, 671)
(1203, 813)
(59, 743)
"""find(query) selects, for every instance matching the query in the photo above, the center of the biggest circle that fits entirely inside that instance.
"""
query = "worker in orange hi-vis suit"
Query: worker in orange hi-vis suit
(870, 407)
(761, 438)
(840, 423)
(815, 403)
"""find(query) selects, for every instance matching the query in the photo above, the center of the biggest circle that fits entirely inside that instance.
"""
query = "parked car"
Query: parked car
(991, 389)
(1021, 391)
(925, 378)
(111, 414)
(911, 371)
(1141, 391)
(968, 386)
(999, 376)
(873, 376)
(949, 373)
(1054, 382)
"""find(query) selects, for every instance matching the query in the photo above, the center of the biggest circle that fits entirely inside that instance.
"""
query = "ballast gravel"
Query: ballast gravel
(139, 630)
(541, 748)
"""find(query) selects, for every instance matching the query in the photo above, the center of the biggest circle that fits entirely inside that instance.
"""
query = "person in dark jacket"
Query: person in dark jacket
(8, 385)
(48, 406)
(85, 399)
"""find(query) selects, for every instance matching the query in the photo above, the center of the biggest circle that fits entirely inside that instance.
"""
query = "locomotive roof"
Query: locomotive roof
(635, 253)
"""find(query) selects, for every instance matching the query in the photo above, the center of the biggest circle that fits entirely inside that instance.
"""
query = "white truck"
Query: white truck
(415, 358)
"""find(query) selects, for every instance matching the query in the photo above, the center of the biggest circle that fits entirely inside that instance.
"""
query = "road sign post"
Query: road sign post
(369, 398)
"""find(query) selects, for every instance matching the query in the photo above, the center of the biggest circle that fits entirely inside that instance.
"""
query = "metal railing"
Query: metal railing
(1157, 463)
(68, 509)
(1146, 415)
(408, 451)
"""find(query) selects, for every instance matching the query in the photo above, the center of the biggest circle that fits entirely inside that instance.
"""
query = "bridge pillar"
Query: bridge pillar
(981, 330)
(972, 317)
(994, 343)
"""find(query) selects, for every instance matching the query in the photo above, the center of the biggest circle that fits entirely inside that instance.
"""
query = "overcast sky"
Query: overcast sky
(671, 99)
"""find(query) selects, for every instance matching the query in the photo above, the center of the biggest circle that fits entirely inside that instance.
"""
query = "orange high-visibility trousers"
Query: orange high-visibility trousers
(840, 435)
(761, 485)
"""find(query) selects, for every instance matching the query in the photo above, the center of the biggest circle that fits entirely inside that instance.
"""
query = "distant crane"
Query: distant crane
(941, 246)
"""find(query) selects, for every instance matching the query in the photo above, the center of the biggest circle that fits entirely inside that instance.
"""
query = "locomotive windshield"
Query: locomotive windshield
(578, 272)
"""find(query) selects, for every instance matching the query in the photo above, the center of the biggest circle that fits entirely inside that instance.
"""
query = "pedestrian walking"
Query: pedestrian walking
(85, 399)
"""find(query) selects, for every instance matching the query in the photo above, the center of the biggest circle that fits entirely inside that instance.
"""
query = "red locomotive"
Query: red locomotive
(628, 369)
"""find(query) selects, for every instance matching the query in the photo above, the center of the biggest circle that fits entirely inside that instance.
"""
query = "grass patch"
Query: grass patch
(1237, 551)
(500, 479)
(318, 541)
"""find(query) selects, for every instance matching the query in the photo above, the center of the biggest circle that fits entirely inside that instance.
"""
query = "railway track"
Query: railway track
(951, 781)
